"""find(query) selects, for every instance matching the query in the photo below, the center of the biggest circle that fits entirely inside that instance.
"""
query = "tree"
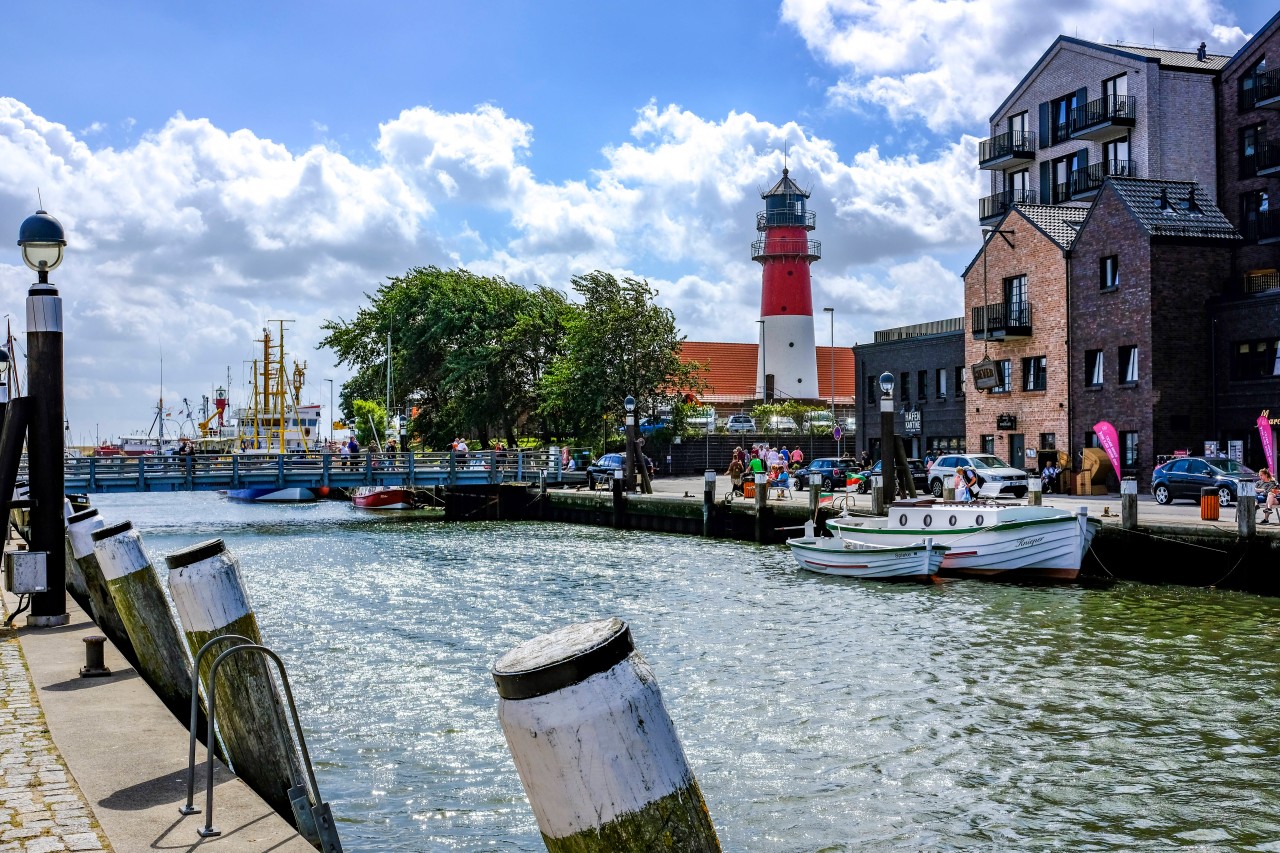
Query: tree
(370, 423)
(618, 343)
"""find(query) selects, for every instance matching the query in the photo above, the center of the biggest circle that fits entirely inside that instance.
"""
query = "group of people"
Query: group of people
(775, 462)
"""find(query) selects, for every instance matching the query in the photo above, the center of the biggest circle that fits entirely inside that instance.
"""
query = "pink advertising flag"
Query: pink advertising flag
(1110, 441)
(1268, 441)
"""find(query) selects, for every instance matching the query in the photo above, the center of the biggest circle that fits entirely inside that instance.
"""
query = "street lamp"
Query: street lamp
(629, 405)
(832, 312)
(764, 366)
(42, 240)
(332, 419)
(886, 439)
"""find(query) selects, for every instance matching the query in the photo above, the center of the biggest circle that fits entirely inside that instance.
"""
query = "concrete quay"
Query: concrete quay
(100, 763)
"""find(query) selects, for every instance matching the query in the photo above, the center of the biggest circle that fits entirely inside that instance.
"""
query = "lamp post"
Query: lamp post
(764, 366)
(832, 312)
(42, 240)
(332, 418)
(629, 405)
(886, 438)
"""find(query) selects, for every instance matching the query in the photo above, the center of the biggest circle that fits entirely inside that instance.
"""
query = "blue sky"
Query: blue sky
(221, 165)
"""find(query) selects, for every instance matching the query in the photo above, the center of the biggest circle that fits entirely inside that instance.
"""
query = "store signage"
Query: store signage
(985, 375)
(911, 422)
(1266, 413)
(1006, 421)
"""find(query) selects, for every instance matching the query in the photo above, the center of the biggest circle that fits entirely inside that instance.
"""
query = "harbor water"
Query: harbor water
(819, 714)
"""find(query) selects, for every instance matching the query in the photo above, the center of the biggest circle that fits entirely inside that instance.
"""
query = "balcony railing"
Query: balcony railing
(779, 247)
(1002, 320)
(1266, 158)
(995, 206)
(1266, 89)
(1110, 115)
(1262, 226)
(785, 219)
(1262, 282)
(1008, 149)
(1087, 181)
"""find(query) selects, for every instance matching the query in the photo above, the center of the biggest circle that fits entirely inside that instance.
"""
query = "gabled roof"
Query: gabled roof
(1212, 64)
(1161, 208)
(1059, 224)
(731, 370)
(785, 186)
(1262, 33)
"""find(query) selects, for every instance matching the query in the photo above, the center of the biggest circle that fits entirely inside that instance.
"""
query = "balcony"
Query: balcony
(1086, 182)
(993, 207)
(1266, 90)
(1105, 118)
(1266, 158)
(1001, 321)
(1014, 148)
(1262, 227)
(1261, 282)
(786, 247)
(784, 219)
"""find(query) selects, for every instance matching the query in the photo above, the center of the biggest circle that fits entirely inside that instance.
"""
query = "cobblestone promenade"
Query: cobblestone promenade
(41, 809)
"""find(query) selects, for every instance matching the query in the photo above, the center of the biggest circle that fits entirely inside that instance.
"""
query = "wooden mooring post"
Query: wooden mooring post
(762, 498)
(211, 602)
(575, 696)
(140, 600)
(619, 501)
(80, 529)
(1129, 503)
(708, 501)
(1246, 515)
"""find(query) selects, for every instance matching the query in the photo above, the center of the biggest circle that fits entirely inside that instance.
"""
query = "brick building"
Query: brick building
(1085, 111)
(1015, 293)
(927, 362)
(1147, 261)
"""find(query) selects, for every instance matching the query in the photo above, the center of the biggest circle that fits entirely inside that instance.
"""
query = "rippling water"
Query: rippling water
(819, 714)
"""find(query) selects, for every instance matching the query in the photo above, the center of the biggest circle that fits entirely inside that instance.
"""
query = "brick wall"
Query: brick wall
(1184, 130)
(1040, 259)
(939, 418)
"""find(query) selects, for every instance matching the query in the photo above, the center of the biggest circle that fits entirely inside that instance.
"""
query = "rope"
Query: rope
(1243, 554)
(1102, 564)
(1177, 541)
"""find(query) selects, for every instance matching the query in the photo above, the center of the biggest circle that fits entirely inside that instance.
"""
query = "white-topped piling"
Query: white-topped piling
(76, 584)
(595, 748)
(80, 529)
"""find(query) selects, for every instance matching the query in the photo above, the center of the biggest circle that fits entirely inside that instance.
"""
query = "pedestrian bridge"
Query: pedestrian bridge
(96, 474)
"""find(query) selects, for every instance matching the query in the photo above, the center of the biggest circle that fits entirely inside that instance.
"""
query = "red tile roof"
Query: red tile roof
(731, 371)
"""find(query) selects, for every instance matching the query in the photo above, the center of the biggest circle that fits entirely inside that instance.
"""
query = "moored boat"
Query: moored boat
(985, 538)
(271, 494)
(383, 497)
(849, 558)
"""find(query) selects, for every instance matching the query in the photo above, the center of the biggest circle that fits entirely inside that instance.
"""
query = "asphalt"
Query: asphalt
(127, 754)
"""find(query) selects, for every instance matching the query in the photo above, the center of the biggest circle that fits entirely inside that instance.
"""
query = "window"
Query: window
(1018, 125)
(1003, 370)
(1093, 364)
(1034, 373)
(1115, 157)
(1254, 209)
(1258, 359)
(922, 385)
(1060, 117)
(1109, 272)
(1060, 178)
(960, 378)
(1128, 449)
(904, 387)
(1020, 183)
(1128, 365)
(1048, 441)
(1114, 89)
(873, 387)
(989, 444)
(1091, 439)
(1247, 82)
(1251, 139)
(940, 383)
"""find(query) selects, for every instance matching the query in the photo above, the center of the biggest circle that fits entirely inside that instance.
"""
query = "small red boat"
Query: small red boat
(383, 497)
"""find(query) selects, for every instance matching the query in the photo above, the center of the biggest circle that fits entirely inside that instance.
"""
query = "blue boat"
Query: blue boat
(271, 494)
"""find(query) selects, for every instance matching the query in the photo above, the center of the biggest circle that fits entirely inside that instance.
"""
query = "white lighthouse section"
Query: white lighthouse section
(789, 353)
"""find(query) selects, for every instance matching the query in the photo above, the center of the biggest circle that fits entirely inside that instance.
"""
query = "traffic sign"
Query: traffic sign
(837, 433)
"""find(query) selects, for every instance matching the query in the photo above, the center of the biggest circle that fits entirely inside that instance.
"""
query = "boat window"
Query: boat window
(952, 521)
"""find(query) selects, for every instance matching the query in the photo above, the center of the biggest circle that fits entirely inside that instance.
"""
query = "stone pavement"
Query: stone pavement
(41, 808)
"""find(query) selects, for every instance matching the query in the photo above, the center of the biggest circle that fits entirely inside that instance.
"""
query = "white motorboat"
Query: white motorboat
(984, 538)
(848, 558)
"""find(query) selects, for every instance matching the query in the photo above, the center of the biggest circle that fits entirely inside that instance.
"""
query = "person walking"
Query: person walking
(961, 485)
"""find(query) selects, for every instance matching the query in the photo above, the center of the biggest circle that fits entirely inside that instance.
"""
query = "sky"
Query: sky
(221, 166)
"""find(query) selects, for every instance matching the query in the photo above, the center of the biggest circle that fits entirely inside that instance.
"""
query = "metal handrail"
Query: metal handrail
(785, 218)
(1104, 109)
(1005, 144)
(999, 203)
(781, 246)
(326, 830)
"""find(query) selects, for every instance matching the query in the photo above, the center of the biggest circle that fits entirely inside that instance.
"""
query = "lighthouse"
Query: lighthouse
(787, 364)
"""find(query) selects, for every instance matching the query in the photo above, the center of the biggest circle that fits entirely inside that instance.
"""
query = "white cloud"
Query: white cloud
(950, 62)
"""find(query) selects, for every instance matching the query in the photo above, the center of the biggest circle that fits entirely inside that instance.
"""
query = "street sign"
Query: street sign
(837, 433)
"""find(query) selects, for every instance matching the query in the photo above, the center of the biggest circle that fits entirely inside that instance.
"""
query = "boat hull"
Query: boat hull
(271, 494)
(847, 558)
(383, 497)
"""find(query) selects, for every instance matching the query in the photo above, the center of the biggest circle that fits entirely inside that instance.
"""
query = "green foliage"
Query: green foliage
(370, 422)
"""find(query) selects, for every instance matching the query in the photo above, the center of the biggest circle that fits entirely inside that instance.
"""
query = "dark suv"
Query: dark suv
(919, 474)
(1185, 477)
(825, 473)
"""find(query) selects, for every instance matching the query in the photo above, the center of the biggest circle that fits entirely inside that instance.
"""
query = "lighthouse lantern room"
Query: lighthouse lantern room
(787, 363)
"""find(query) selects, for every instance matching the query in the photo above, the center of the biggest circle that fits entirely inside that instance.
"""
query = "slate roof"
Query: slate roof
(785, 186)
(1055, 221)
(1146, 197)
(1183, 59)
(731, 371)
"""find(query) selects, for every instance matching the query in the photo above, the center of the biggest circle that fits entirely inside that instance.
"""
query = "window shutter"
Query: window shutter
(1082, 98)
(1046, 185)
(1046, 125)
(1082, 158)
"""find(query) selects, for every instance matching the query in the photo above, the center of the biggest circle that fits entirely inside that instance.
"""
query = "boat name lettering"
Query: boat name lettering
(1029, 541)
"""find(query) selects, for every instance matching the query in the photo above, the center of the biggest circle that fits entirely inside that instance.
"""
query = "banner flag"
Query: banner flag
(1109, 439)
(1268, 442)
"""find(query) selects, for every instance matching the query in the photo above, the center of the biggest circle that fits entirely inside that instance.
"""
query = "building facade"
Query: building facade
(1086, 111)
(927, 362)
(1016, 303)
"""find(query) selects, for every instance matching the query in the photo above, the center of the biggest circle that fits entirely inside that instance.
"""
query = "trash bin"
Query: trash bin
(749, 488)
(1209, 503)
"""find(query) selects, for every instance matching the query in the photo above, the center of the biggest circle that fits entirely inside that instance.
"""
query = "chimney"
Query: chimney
(1201, 53)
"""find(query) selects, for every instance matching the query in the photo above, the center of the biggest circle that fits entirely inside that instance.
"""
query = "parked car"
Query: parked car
(702, 420)
(825, 473)
(819, 423)
(990, 469)
(741, 423)
(600, 472)
(649, 426)
(1185, 477)
(781, 423)
(919, 474)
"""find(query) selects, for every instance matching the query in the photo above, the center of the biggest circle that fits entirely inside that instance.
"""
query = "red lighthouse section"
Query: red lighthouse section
(786, 251)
